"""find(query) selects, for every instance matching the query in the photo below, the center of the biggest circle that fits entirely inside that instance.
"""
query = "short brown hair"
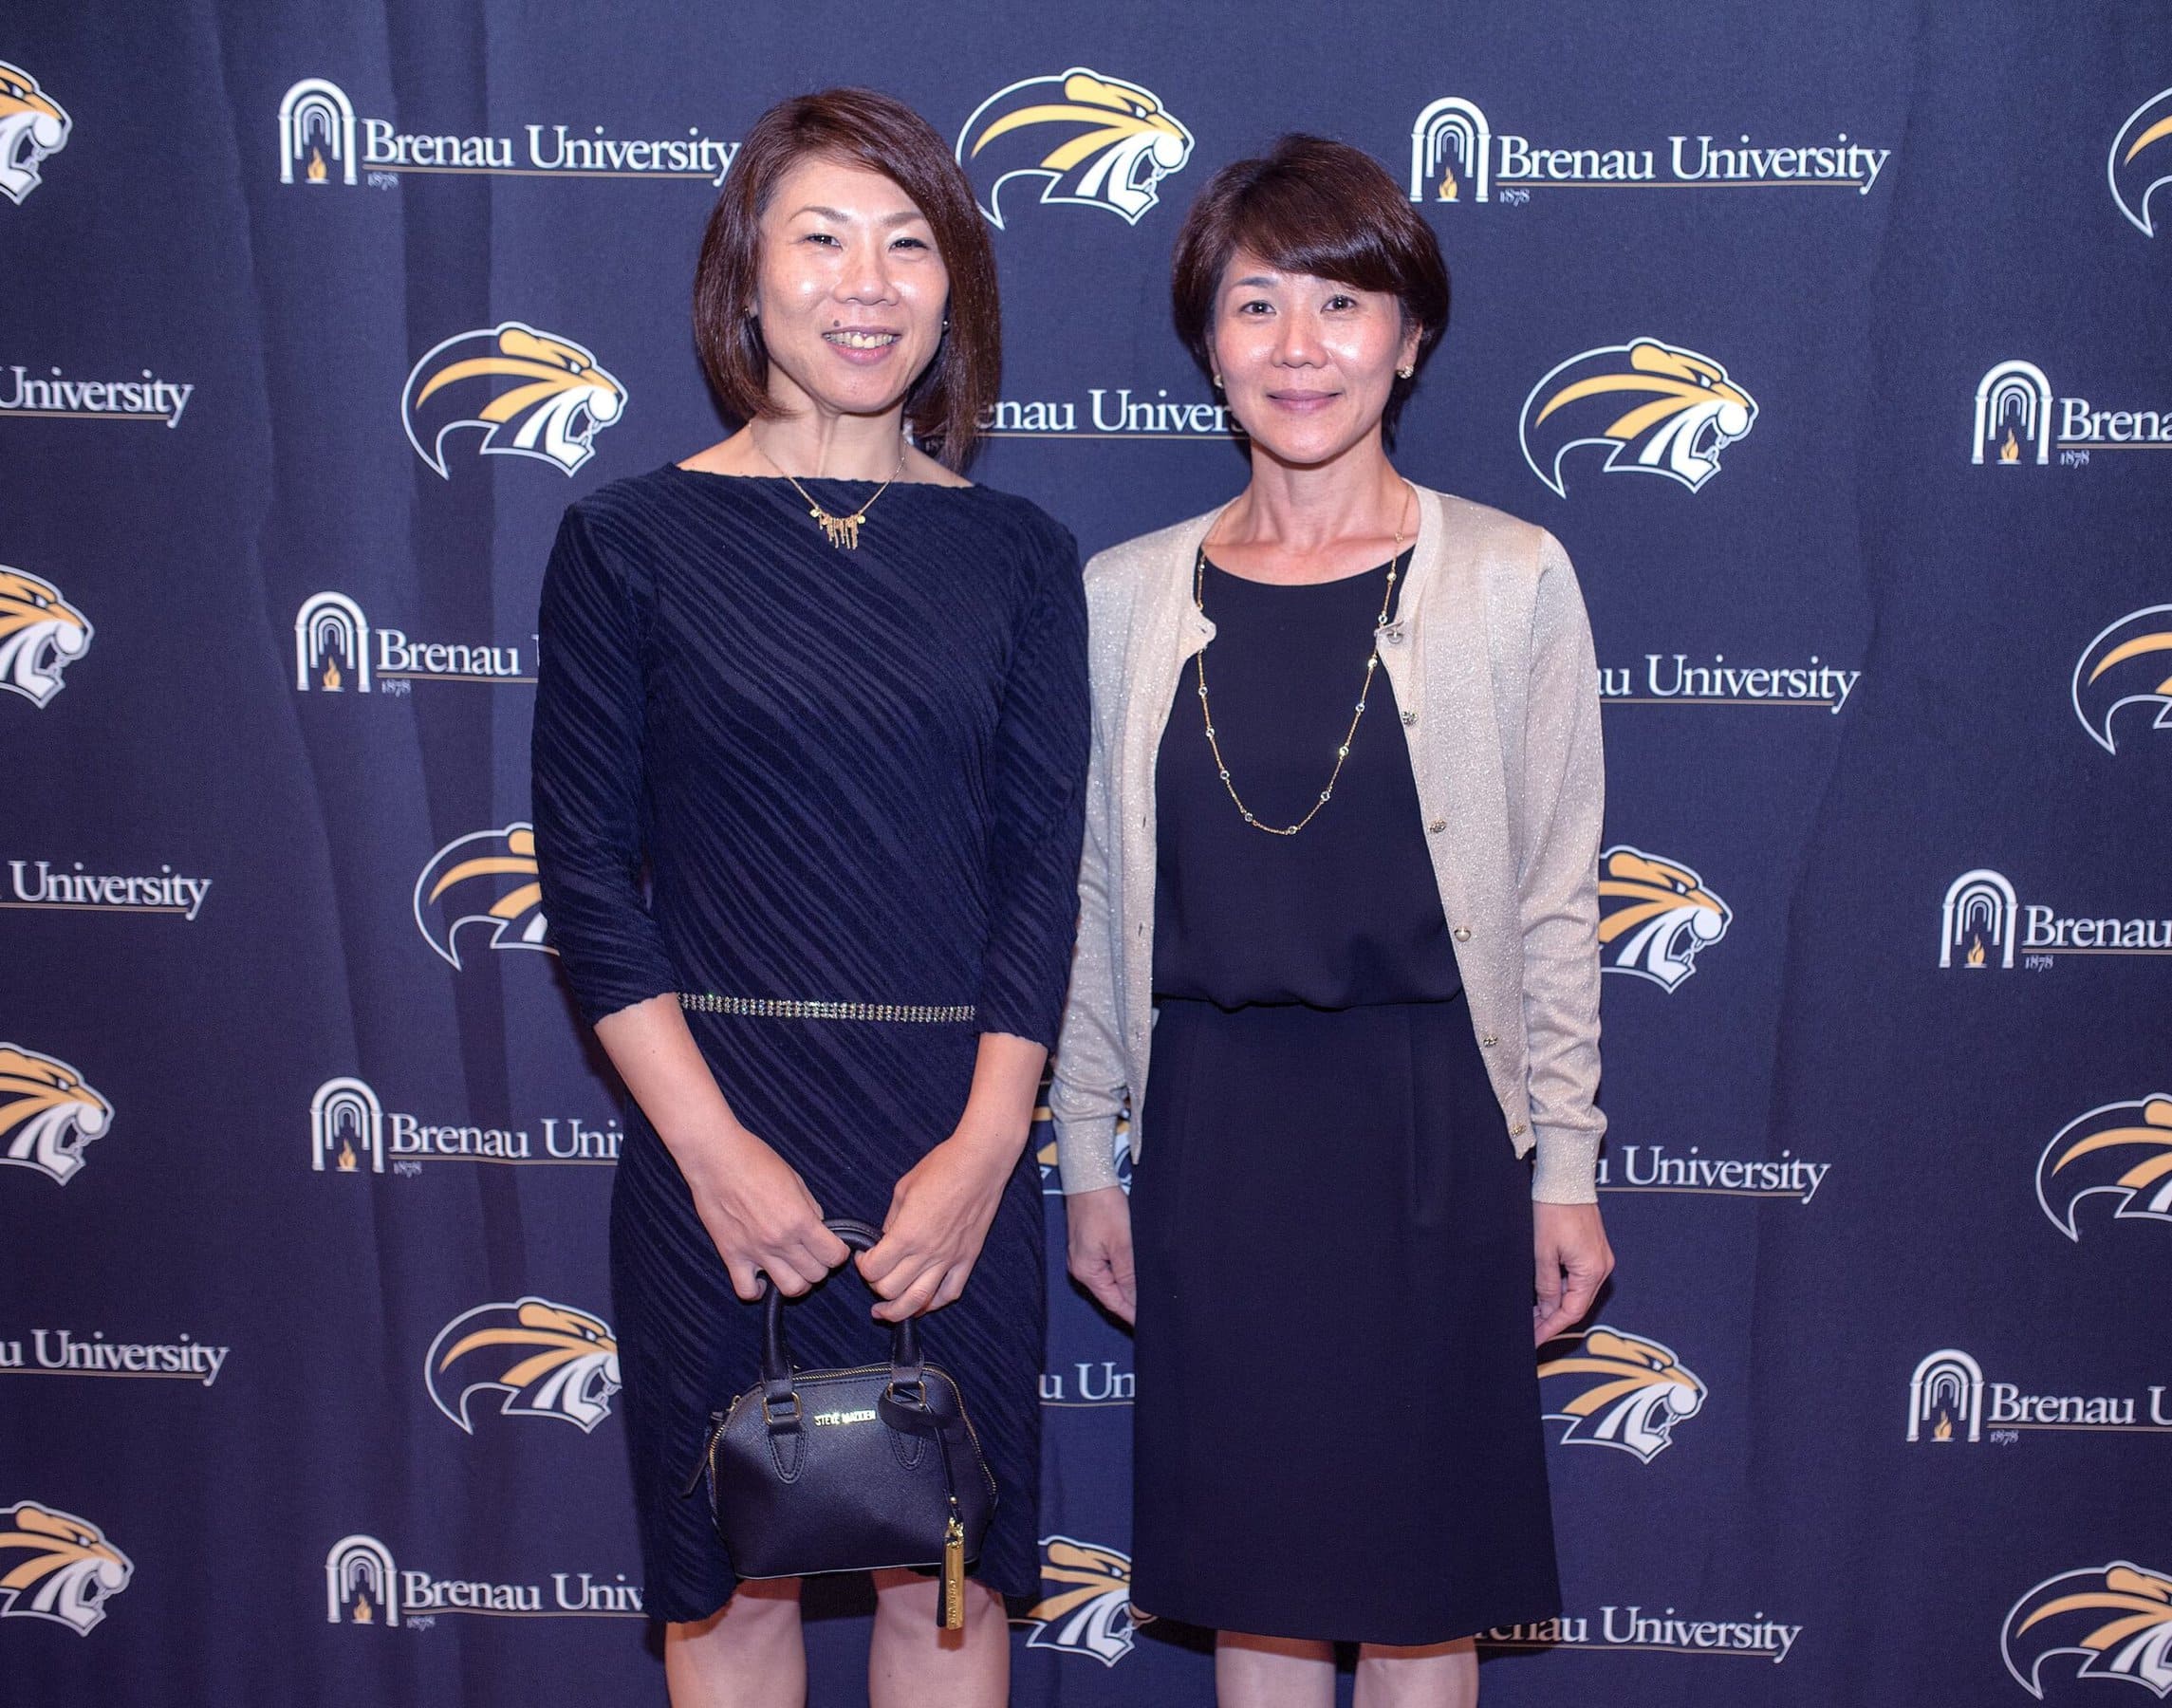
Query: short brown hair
(1311, 206)
(862, 128)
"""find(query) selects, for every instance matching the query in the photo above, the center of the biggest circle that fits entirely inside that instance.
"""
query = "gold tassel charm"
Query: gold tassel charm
(843, 532)
(954, 1572)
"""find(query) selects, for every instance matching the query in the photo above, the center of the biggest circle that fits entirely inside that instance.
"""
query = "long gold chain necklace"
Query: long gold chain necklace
(843, 532)
(1357, 717)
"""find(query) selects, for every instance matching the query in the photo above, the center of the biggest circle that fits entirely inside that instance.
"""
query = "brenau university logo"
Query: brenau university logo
(41, 635)
(1982, 922)
(1657, 408)
(2140, 163)
(47, 1115)
(1098, 141)
(484, 878)
(1089, 1609)
(363, 1587)
(2018, 422)
(32, 129)
(321, 141)
(1949, 1401)
(58, 1566)
(533, 393)
(546, 1359)
(1615, 1389)
(2121, 1151)
(1456, 155)
(351, 1132)
(337, 652)
(1655, 914)
(2129, 663)
(2117, 1617)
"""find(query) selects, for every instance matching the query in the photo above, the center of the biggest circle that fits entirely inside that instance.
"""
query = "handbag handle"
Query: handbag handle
(780, 1403)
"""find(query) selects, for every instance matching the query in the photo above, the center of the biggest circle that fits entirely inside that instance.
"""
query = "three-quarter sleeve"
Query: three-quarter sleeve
(588, 776)
(1037, 803)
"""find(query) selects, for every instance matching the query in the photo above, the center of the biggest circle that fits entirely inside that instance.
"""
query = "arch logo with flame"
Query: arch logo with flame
(1088, 1611)
(2141, 161)
(533, 394)
(548, 1359)
(484, 878)
(2123, 1149)
(58, 1566)
(41, 635)
(1657, 408)
(2128, 664)
(1098, 141)
(1654, 916)
(2117, 1617)
(1620, 1390)
(47, 1115)
(32, 129)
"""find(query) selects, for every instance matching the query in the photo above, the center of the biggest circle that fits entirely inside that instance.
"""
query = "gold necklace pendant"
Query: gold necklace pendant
(843, 532)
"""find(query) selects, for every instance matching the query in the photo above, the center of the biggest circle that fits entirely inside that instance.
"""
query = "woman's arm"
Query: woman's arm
(587, 768)
(752, 1203)
(1564, 798)
(1086, 1094)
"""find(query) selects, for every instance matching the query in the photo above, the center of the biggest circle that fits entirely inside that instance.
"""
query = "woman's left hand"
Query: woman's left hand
(938, 1216)
(1573, 1258)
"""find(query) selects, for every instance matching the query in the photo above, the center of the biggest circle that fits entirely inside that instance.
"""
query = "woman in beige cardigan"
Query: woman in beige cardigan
(1340, 885)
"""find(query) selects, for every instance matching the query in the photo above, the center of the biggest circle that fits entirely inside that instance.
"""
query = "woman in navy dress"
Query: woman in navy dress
(833, 698)
(1340, 890)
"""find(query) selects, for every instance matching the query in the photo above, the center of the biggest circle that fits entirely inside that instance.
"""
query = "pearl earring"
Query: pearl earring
(1405, 372)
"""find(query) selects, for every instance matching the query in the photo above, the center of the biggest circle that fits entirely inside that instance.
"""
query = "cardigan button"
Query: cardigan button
(1438, 826)
(1409, 718)
(1488, 1041)
(1462, 933)
(1516, 1131)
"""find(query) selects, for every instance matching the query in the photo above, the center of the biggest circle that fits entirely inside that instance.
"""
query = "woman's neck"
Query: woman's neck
(1300, 511)
(812, 443)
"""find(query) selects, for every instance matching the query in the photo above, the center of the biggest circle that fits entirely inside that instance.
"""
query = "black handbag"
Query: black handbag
(814, 1471)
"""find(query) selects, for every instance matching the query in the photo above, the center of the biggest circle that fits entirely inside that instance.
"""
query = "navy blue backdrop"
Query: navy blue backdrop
(1829, 340)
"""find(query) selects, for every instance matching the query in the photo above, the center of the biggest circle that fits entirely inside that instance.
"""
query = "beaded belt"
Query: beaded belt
(778, 1008)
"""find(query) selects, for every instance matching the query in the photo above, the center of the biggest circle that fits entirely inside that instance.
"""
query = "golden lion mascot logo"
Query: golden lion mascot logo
(1617, 1390)
(550, 1360)
(2130, 664)
(46, 1113)
(533, 393)
(2140, 161)
(486, 878)
(1658, 409)
(1090, 1614)
(41, 635)
(2123, 1148)
(1098, 140)
(32, 128)
(58, 1566)
(2117, 1617)
(1654, 916)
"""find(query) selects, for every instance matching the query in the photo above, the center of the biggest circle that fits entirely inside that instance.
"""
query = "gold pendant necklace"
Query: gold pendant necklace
(843, 531)
(1357, 717)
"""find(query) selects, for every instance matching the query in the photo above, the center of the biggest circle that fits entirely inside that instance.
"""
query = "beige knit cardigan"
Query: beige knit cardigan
(1491, 661)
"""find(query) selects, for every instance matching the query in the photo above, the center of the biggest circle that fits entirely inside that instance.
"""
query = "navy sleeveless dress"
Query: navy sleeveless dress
(1337, 1425)
(854, 776)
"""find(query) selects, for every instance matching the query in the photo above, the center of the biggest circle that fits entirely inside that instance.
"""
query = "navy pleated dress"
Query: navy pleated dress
(1337, 1426)
(850, 776)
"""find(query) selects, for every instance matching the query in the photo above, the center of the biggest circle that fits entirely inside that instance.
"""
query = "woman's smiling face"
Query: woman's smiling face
(851, 290)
